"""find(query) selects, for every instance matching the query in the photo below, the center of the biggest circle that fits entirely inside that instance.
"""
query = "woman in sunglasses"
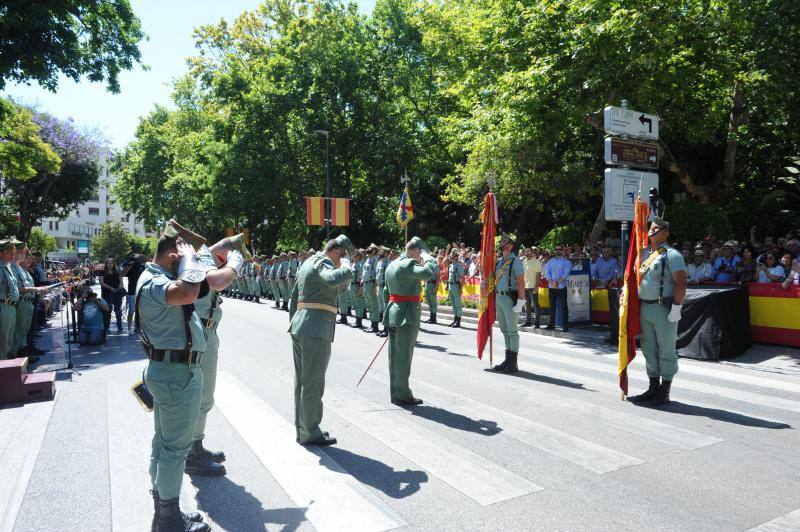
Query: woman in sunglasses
(771, 271)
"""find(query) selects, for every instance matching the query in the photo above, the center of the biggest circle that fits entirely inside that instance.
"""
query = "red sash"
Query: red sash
(394, 298)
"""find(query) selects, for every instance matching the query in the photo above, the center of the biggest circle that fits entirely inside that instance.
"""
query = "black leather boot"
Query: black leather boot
(168, 518)
(198, 463)
(457, 324)
(285, 306)
(216, 456)
(433, 319)
(453, 323)
(191, 516)
(343, 319)
(511, 367)
(649, 394)
(661, 397)
(384, 332)
(374, 327)
(358, 324)
(501, 367)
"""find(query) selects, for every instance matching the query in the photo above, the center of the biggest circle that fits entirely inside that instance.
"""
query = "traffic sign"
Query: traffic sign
(622, 187)
(619, 121)
(631, 152)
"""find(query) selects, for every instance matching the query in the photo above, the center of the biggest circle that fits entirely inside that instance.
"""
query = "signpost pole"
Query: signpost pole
(624, 234)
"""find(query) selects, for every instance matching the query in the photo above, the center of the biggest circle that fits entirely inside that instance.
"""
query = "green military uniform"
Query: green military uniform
(356, 298)
(9, 299)
(24, 307)
(177, 387)
(312, 331)
(432, 298)
(273, 277)
(343, 300)
(402, 318)
(455, 274)
(658, 335)
(370, 289)
(291, 272)
(283, 281)
(380, 284)
(506, 271)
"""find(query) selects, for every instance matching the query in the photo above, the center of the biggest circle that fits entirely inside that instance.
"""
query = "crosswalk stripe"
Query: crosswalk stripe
(710, 389)
(473, 475)
(571, 448)
(130, 432)
(713, 371)
(19, 454)
(642, 426)
(786, 523)
(331, 498)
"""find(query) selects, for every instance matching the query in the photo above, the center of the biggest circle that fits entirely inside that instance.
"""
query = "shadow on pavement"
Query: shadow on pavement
(234, 508)
(676, 407)
(431, 331)
(395, 484)
(456, 421)
(431, 347)
(522, 374)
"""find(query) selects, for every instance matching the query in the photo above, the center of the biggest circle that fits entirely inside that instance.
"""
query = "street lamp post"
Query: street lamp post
(327, 182)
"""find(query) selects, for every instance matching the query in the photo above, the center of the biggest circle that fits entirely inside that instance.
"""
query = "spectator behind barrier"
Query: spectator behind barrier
(793, 278)
(747, 269)
(726, 263)
(91, 308)
(699, 271)
(770, 271)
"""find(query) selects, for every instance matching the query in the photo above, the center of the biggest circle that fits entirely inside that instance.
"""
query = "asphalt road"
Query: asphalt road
(550, 448)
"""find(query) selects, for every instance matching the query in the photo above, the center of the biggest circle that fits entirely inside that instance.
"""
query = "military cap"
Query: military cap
(237, 242)
(661, 222)
(373, 247)
(418, 242)
(507, 239)
(345, 243)
(174, 230)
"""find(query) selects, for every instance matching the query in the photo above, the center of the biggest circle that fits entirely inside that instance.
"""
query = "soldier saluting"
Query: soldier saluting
(313, 321)
(402, 315)
(172, 336)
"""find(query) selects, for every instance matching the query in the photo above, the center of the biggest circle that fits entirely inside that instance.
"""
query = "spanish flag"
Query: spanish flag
(315, 210)
(486, 310)
(405, 212)
(629, 325)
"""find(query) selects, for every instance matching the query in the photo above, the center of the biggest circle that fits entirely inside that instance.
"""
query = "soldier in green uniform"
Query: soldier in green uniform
(200, 460)
(432, 298)
(9, 299)
(380, 285)
(283, 280)
(402, 316)
(27, 294)
(509, 274)
(370, 288)
(662, 289)
(294, 264)
(455, 279)
(356, 290)
(313, 320)
(173, 338)
(343, 300)
(273, 277)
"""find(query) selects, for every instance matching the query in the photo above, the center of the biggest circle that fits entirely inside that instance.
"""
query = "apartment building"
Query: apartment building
(75, 232)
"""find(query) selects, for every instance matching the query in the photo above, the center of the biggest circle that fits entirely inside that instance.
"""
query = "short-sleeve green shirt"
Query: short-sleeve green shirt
(649, 285)
(508, 283)
(163, 324)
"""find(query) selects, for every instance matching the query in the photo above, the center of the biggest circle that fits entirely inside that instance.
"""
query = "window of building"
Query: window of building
(108, 211)
(51, 225)
(94, 210)
(56, 226)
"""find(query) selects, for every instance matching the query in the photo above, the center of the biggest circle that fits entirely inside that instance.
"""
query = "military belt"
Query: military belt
(506, 292)
(9, 302)
(178, 356)
(317, 306)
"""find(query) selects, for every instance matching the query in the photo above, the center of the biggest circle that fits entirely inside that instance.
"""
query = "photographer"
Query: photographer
(132, 271)
(110, 284)
(91, 308)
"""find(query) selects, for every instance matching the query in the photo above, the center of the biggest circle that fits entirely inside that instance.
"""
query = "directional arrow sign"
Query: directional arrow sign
(631, 152)
(621, 188)
(619, 121)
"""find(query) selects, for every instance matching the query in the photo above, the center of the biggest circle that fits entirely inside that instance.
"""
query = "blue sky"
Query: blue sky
(169, 25)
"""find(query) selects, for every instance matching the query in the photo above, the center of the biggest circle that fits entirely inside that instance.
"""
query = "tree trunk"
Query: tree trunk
(522, 221)
(599, 223)
(728, 178)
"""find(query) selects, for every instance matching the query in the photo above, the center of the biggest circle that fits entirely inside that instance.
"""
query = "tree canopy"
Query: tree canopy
(451, 91)
(93, 38)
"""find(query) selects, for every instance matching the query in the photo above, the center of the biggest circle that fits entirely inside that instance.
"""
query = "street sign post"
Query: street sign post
(621, 188)
(619, 121)
(631, 152)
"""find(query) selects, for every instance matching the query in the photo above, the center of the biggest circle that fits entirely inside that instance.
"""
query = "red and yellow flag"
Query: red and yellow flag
(340, 211)
(629, 325)
(486, 310)
(315, 210)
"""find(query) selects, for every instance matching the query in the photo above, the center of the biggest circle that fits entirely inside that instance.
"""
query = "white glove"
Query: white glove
(675, 313)
(235, 260)
(425, 256)
(519, 306)
(344, 262)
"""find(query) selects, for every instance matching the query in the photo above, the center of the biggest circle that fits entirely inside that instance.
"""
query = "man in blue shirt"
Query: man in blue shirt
(726, 263)
(556, 271)
(605, 275)
(509, 274)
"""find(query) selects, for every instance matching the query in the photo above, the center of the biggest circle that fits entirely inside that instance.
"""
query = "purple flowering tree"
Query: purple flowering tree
(75, 182)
